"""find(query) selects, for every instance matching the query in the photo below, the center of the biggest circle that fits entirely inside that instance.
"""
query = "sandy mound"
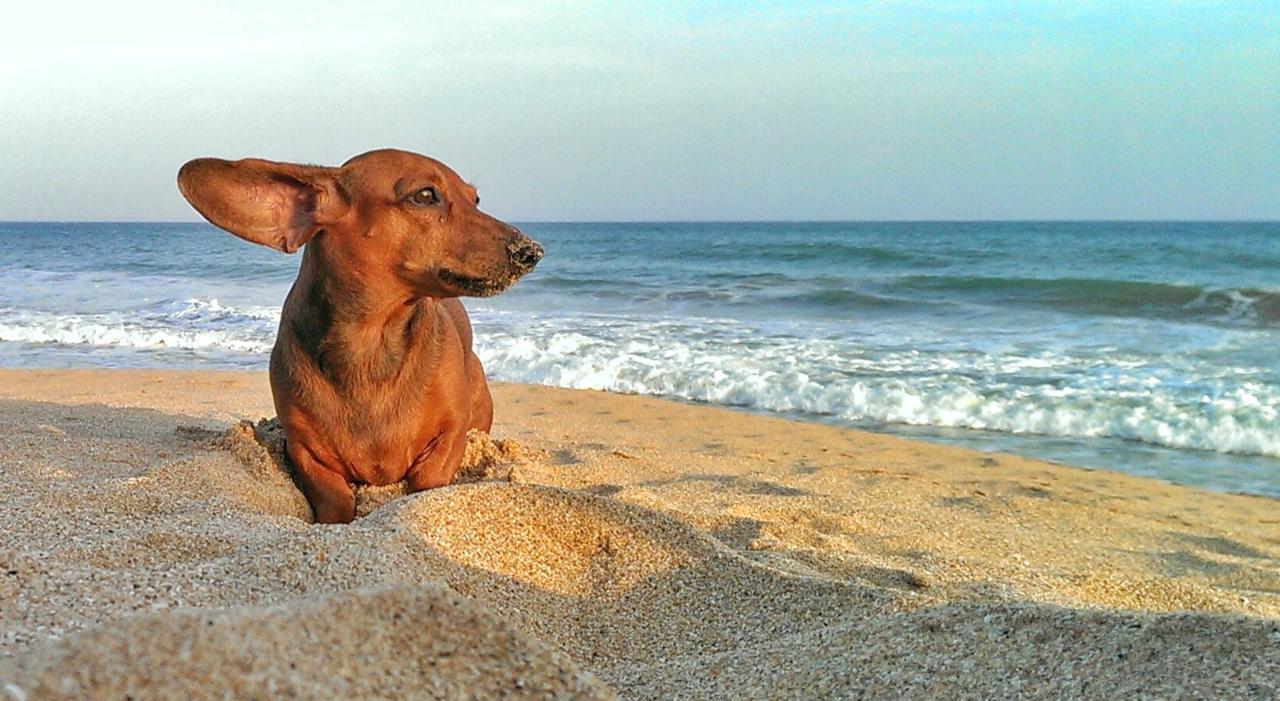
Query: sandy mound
(419, 642)
(611, 583)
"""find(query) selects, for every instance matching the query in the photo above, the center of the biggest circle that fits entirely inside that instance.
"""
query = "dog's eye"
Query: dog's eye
(477, 200)
(426, 197)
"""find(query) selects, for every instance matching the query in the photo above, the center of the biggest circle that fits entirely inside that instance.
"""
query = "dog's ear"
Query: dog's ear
(280, 205)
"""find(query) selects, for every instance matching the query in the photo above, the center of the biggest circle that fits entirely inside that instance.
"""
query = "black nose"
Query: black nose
(525, 252)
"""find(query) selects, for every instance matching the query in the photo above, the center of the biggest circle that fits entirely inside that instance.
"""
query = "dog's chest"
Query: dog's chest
(380, 439)
(373, 410)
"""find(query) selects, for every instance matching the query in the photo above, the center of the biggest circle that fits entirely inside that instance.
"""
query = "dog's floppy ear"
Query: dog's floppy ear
(280, 205)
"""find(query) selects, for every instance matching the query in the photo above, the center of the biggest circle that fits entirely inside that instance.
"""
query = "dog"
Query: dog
(372, 373)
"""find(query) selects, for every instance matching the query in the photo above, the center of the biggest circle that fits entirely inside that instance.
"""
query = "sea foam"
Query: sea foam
(719, 362)
(192, 324)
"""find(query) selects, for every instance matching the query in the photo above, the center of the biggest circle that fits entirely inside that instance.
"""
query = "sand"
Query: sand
(150, 547)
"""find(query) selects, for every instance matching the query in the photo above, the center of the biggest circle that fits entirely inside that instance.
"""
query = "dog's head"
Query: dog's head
(385, 212)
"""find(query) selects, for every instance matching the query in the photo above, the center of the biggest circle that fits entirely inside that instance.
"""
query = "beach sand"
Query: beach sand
(604, 545)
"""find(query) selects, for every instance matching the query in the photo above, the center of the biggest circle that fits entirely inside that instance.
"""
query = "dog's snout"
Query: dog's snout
(525, 252)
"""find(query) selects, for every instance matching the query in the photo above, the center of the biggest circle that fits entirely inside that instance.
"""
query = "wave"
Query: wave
(18, 278)
(1017, 394)
(1247, 306)
(824, 299)
(1182, 402)
(834, 252)
(822, 296)
(192, 325)
(816, 296)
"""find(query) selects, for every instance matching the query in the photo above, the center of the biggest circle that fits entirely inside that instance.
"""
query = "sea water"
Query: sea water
(1150, 348)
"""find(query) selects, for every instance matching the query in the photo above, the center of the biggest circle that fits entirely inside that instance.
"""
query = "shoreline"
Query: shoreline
(1000, 443)
(787, 537)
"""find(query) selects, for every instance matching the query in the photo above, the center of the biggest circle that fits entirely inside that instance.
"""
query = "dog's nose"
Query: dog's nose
(525, 252)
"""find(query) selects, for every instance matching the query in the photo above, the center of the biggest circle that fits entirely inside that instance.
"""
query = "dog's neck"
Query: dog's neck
(358, 329)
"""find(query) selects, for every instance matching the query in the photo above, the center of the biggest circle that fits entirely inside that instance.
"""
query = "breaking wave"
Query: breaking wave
(1018, 393)
(1175, 302)
(193, 324)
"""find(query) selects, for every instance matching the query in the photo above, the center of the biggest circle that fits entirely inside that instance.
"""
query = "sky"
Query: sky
(569, 111)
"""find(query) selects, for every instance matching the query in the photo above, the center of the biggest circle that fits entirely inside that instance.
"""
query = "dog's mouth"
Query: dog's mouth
(475, 286)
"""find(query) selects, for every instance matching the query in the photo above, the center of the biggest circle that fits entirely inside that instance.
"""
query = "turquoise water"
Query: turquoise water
(1142, 347)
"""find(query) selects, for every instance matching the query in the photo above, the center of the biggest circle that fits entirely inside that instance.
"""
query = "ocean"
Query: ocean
(1147, 348)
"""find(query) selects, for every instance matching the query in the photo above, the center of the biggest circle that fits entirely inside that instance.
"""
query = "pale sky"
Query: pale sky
(627, 111)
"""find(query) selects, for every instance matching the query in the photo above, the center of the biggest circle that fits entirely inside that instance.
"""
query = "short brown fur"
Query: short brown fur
(372, 373)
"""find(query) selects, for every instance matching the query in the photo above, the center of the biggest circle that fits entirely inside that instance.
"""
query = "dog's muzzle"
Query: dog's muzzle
(524, 253)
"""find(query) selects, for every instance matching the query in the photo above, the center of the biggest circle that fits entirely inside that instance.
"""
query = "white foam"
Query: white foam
(1241, 307)
(192, 324)
(1128, 397)
(1187, 402)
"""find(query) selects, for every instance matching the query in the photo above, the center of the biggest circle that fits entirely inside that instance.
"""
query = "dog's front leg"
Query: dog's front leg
(331, 497)
(440, 461)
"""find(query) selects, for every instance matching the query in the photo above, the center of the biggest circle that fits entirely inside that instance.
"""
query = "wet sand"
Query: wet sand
(604, 545)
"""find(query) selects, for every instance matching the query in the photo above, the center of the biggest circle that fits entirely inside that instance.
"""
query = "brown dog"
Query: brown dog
(372, 372)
